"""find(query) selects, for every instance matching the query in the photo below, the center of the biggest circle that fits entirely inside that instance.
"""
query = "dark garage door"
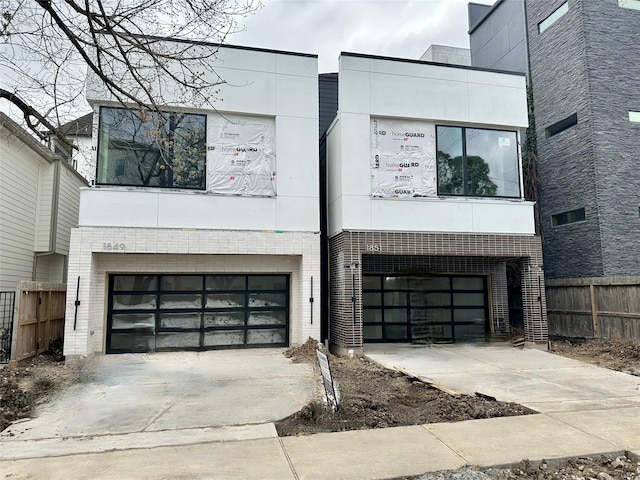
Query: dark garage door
(434, 308)
(149, 313)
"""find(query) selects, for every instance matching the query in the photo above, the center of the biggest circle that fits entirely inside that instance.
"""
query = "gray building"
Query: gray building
(584, 67)
(497, 35)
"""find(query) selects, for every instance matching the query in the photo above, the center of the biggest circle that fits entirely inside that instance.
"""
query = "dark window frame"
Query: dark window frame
(562, 125)
(171, 114)
(465, 173)
(570, 216)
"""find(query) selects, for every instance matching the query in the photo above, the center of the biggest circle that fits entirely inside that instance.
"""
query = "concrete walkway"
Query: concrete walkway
(572, 424)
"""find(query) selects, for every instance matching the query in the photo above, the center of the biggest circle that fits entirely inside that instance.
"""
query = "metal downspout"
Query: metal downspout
(53, 224)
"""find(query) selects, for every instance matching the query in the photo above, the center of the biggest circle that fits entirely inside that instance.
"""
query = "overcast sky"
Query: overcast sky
(395, 28)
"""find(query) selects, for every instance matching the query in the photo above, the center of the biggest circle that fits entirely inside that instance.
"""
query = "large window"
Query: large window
(477, 162)
(142, 148)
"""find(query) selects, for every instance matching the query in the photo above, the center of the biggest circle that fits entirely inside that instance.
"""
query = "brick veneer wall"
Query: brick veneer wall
(195, 251)
(432, 252)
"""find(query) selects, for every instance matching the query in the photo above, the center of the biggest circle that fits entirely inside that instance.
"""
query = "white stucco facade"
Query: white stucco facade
(396, 90)
(152, 230)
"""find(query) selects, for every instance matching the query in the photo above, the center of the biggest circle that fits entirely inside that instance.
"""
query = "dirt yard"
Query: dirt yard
(613, 354)
(602, 468)
(23, 388)
(375, 397)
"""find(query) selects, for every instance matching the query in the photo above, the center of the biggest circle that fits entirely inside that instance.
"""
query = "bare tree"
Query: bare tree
(48, 46)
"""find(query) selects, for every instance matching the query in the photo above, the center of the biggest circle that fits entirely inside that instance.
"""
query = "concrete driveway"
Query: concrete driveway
(601, 403)
(545, 382)
(167, 399)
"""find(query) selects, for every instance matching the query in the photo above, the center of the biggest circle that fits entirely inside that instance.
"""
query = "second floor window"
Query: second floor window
(477, 162)
(150, 149)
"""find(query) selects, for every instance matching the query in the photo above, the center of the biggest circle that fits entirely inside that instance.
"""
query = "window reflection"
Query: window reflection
(477, 162)
(145, 148)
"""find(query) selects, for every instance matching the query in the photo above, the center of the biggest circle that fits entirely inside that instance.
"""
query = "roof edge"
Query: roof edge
(7, 123)
(485, 16)
(437, 64)
(224, 45)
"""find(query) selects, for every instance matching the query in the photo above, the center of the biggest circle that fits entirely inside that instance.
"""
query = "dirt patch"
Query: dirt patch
(613, 354)
(23, 388)
(376, 397)
(601, 468)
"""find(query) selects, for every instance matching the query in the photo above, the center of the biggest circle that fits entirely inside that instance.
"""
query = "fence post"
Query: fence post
(594, 310)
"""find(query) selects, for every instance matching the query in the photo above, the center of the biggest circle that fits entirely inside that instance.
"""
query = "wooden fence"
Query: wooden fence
(599, 308)
(39, 318)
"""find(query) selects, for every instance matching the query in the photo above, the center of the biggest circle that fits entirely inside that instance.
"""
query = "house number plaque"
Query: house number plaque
(113, 247)
(374, 247)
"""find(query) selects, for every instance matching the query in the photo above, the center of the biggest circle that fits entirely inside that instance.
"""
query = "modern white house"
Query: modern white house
(425, 204)
(202, 228)
(39, 201)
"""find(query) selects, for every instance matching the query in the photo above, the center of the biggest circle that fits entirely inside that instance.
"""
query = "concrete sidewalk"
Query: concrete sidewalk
(587, 411)
(357, 455)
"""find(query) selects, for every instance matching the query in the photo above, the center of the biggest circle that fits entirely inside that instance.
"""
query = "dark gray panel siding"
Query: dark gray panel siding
(327, 100)
(499, 41)
(476, 12)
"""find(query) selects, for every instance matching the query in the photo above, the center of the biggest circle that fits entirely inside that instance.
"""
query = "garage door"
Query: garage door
(196, 312)
(439, 308)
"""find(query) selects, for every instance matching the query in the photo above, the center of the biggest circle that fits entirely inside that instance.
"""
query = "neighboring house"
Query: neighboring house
(585, 72)
(39, 198)
(583, 61)
(79, 132)
(498, 35)
(448, 55)
(425, 204)
(213, 242)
